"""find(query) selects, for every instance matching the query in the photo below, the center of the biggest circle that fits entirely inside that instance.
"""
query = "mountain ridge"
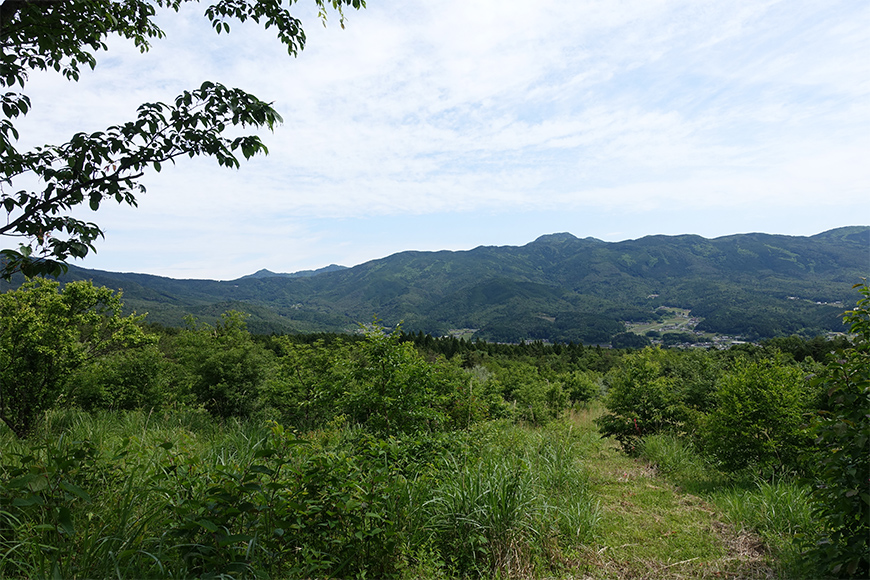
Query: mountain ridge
(264, 273)
(558, 287)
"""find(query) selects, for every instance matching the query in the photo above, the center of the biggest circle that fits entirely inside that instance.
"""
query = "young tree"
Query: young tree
(45, 333)
(759, 416)
(64, 35)
(223, 366)
(842, 430)
(391, 389)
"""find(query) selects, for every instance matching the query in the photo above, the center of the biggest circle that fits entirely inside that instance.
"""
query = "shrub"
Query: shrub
(46, 332)
(759, 416)
(391, 389)
(842, 430)
(224, 367)
(127, 380)
(536, 399)
(641, 399)
(304, 389)
(582, 386)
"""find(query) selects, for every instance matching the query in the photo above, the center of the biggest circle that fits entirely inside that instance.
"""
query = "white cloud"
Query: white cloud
(459, 107)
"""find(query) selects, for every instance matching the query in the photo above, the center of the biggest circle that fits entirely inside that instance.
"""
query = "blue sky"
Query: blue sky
(453, 124)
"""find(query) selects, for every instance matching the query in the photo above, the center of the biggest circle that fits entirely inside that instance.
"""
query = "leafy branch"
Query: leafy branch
(64, 36)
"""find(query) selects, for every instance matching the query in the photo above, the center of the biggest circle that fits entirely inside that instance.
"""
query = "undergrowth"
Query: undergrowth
(170, 494)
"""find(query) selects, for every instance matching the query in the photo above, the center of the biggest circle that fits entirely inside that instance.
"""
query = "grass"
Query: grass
(503, 501)
(652, 529)
(670, 514)
(778, 511)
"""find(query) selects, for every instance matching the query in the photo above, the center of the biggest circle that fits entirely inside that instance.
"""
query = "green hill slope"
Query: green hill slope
(558, 287)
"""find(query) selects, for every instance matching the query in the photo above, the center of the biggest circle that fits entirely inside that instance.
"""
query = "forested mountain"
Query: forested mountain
(558, 287)
(301, 274)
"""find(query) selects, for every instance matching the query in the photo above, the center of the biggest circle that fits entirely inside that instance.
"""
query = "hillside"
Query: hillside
(558, 287)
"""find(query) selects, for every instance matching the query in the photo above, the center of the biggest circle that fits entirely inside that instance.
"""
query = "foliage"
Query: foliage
(581, 386)
(240, 500)
(391, 389)
(159, 482)
(300, 511)
(842, 431)
(759, 416)
(224, 366)
(536, 398)
(39, 496)
(132, 379)
(818, 348)
(92, 168)
(305, 388)
(629, 340)
(655, 390)
(45, 333)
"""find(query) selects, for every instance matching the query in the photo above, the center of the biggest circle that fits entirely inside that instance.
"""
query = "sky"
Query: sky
(454, 124)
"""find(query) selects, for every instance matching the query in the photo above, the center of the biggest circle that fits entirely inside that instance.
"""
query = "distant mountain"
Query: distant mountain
(301, 274)
(558, 287)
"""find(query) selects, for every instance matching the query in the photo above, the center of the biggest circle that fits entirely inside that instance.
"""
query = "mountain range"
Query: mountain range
(558, 288)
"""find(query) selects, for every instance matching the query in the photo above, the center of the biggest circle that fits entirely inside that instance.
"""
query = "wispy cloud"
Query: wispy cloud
(494, 109)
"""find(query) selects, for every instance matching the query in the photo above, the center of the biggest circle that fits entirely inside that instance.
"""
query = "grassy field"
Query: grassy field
(504, 502)
(673, 320)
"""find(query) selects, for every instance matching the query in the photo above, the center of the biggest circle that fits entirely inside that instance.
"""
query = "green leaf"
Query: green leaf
(208, 525)
(22, 502)
(76, 491)
(234, 539)
(64, 518)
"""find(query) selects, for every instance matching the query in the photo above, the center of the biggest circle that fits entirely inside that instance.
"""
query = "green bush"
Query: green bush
(842, 430)
(536, 399)
(304, 390)
(133, 379)
(45, 333)
(641, 399)
(222, 366)
(389, 388)
(759, 417)
(581, 386)
(655, 391)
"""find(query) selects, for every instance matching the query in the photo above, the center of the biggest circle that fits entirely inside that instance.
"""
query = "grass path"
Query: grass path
(650, 529)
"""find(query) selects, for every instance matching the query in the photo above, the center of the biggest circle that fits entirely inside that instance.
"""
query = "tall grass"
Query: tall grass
(771, 508)
(166, 494)
(778, 509)
(516, 507)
